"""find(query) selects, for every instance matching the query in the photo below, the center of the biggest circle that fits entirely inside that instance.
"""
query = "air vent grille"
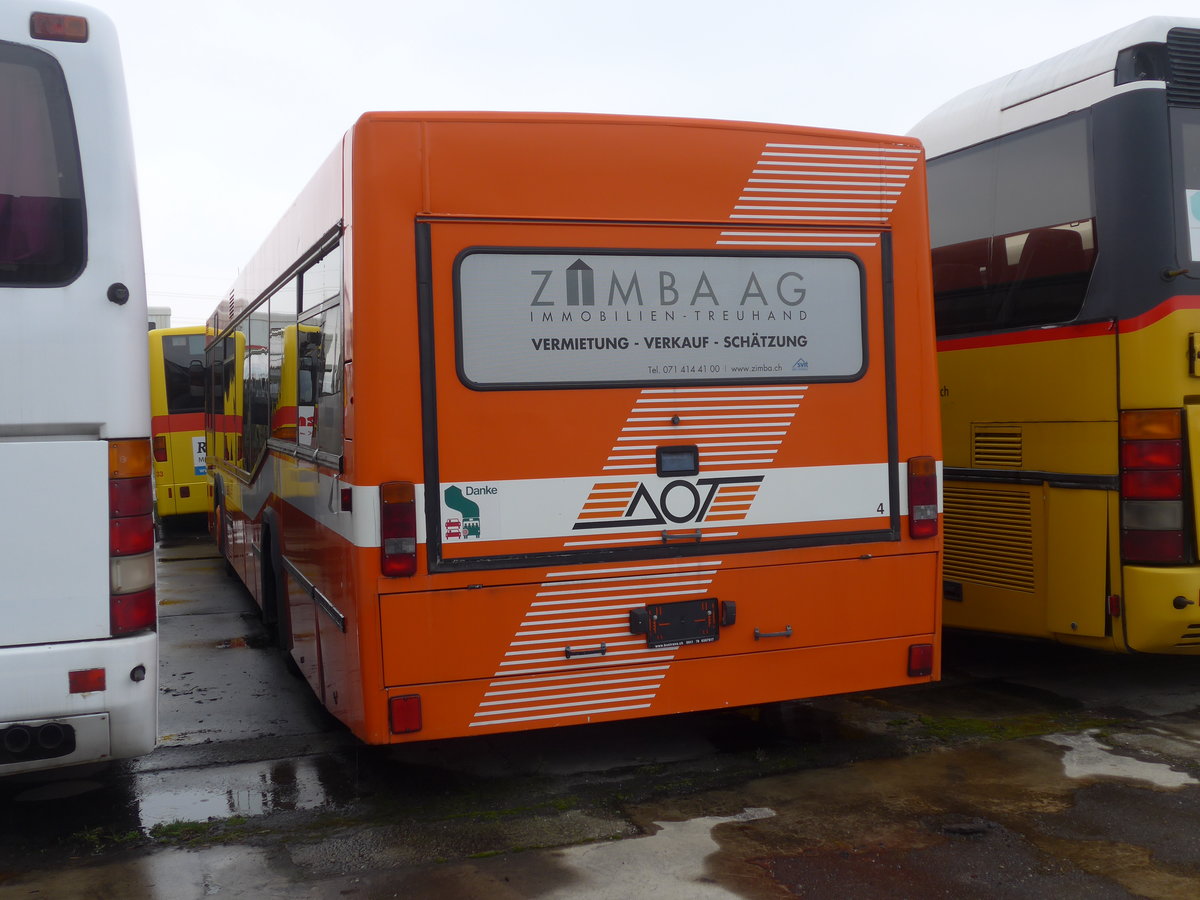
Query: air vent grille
(989, 538)
(996, 447)
(1190, 638)
(1183, 51)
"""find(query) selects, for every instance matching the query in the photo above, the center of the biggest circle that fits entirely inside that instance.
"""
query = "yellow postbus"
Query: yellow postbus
(177, 383)
(1065, 219)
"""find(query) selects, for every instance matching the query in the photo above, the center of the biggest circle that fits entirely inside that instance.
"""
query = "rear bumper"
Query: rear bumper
(120, 721)
(1153, 623)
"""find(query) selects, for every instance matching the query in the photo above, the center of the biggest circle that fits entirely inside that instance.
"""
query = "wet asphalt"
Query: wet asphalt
(1031, 770)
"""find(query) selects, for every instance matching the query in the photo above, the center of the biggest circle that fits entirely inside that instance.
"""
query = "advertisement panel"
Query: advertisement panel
(546, 318)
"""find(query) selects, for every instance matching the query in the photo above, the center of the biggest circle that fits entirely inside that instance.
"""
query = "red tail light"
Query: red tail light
(160, 448)
(130, 613)
(922, 497)
(1152, 486)
(130, 497)
(130, 534)
(398, 528)
(132, 605)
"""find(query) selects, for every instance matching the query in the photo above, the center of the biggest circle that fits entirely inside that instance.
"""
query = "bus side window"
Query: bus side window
(282, 351)
(320, 364)
(1013, 235)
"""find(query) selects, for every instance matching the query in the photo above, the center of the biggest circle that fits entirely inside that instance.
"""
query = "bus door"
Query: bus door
(677, 400)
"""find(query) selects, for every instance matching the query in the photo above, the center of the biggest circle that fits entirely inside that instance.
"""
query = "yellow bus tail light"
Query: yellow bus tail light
(1153, 489)
(922, 497)
(398, 528)
(1151, 424)
(160, 448)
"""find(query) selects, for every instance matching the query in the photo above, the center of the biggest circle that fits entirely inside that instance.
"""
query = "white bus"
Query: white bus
(79, 643)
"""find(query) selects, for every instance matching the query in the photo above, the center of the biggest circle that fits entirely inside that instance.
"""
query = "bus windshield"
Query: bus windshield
(41, 194)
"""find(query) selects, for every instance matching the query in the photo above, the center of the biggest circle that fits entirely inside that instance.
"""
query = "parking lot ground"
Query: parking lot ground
(1030, 770)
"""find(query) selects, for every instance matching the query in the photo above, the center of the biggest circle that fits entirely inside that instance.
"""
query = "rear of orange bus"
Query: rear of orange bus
(616, 417)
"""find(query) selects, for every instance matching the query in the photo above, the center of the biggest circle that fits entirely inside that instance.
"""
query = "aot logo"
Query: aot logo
(679, 502)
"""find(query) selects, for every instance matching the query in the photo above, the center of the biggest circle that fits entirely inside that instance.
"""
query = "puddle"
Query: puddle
(675, 855)
(1086, 757)
(245, 789)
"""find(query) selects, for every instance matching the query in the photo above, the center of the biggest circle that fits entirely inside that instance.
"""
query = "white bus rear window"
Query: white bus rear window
(542, 319)
(41, 194)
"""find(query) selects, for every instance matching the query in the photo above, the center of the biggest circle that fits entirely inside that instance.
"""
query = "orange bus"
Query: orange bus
(177, 384)
(603, 417)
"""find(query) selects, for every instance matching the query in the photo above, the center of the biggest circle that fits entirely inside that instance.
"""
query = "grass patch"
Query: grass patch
(187, 833)
(99, 839)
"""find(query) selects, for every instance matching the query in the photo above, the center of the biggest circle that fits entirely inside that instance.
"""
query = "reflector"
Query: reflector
(404, 714)
(84, 681)
(920, 660)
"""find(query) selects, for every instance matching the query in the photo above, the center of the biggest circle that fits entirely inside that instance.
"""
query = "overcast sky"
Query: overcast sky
(236, 102)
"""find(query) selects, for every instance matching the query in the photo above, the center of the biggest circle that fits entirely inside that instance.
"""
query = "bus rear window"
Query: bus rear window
(183, 360)
(592, 318)
(41, 189)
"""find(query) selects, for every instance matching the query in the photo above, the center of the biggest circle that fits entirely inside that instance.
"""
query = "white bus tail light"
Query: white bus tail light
(54, 27)
(1152, 486)
(922, 497)
(132, 602)
(398, 528)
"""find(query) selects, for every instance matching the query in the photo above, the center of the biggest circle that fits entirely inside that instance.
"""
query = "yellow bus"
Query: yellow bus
(595, 417)
(1065, 218)
(177, 383)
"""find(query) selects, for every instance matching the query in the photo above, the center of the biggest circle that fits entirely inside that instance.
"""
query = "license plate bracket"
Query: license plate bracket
(677, 624)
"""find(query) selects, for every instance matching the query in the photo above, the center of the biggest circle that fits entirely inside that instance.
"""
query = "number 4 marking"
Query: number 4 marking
(879, 509)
